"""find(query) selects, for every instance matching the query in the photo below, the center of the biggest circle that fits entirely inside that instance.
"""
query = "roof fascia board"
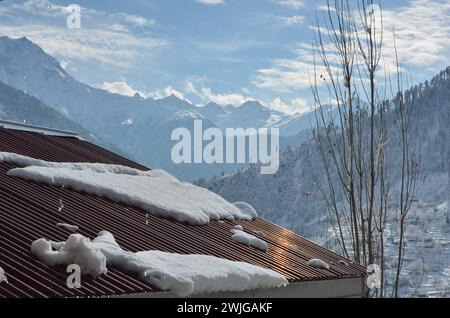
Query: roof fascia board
(329, 288)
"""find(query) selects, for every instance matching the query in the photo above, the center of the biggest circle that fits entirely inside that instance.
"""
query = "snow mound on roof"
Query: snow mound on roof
(189, 274)
(3, 276)
(70, 227)
(76, 250)
(246, 209)
(239, 236)
(318, 263)
(25, 161)
(183, 275)
(154, 191)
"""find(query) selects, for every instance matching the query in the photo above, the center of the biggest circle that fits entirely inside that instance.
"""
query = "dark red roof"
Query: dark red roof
(29, 211)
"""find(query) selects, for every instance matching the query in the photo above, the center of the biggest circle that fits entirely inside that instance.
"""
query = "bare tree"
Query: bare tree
(352, 138)
(409, 165)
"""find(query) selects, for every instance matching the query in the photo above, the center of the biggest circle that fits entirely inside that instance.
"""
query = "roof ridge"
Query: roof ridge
(8, 124)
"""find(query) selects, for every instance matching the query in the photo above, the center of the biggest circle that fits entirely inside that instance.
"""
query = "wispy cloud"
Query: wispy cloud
(286, 75)
(292, 4)
(207, 95)
(101, 45)
(294, 20)
(119, 27)
(296, 105)
(210, 2)
(197, 88)
(134, 19)
(104, 37)
(422, 32)
(121, 88)
(224, 98)
(422, 35)
(165, 92)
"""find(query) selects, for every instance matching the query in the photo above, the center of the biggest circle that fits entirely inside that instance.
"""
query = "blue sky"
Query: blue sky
(226, 51)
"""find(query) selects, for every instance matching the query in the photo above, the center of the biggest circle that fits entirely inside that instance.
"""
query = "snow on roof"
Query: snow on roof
(341, 261)
(246, 209)
(184, 275)
(76, 250)
(239, 236)
(3, 276)
(128, 225)
(70, 227)
(155, 191)
(318, 263)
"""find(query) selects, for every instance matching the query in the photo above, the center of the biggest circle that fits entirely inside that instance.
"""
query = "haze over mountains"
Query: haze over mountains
(140, 126)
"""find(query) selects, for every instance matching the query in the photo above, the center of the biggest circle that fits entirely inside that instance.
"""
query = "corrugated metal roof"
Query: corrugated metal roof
(29, 211)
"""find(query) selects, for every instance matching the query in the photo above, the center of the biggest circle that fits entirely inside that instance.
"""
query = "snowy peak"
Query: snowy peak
(251, 114)
(173, 102)
(252, 105)
(21, 54)
(188, 114)
(213, 111)
(129, 122)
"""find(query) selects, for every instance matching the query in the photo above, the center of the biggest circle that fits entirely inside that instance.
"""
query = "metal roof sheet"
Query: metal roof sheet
(29, 211)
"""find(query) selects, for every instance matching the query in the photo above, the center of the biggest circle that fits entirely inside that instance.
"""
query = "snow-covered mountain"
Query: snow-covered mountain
(291, 198)
(250, 114)
(19, 107)
(214, 112)
(138, 125)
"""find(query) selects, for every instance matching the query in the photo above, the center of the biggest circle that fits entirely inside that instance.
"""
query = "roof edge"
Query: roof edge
(7, 124)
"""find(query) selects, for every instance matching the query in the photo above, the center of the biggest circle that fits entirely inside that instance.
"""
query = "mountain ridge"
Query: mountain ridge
(119, 119)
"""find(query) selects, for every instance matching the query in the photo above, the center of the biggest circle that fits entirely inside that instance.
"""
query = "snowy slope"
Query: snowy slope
(23, 108)
(250, 114)
(292, 199)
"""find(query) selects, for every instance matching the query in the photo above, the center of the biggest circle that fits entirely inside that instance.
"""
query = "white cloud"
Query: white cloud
(285, 75)
(422, 36)
(422, 32)
(297, 105)
(41, 7)
(45, 8)
(189, 87)
(208, 95)
(165, 92)
(101, 45)
(325, 8)
(293, 4)
(121, 88)
(209, 2)
(133, 19)
(119, 28)
(103, 37)
(294, 20)
(224, 99)
(300, 105)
